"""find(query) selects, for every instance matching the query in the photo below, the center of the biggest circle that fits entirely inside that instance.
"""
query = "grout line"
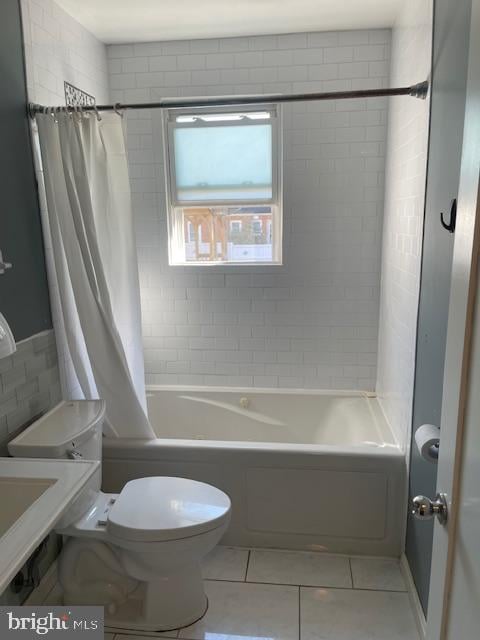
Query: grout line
(351, 572)
(242, 581)
(248, 564)
(323, 554)
(305, 586)
(49, 592)
(299, 614)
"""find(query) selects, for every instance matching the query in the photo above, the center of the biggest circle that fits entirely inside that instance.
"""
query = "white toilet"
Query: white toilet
(138, 552)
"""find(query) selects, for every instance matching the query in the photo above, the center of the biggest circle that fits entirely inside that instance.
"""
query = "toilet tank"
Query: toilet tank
(72, 429)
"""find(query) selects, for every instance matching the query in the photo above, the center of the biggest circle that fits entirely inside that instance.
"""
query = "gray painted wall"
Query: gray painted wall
(23, 290)
(29, 380)
(450, 48)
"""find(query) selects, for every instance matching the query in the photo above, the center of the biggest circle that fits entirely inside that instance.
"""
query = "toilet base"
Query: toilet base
(130, 618)
(171, 602)
(135, 592)
(142, 585)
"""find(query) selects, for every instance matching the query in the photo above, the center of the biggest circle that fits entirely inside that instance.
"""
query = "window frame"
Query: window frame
(175, 206)
(170, 124)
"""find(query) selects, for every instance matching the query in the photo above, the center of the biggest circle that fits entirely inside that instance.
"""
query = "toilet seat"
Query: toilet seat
(160, 509)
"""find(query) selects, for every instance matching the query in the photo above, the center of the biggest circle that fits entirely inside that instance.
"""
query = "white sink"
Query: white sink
(34, 494)
(16, 496)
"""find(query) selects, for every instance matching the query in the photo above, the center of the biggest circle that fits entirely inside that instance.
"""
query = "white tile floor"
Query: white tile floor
(294, 595)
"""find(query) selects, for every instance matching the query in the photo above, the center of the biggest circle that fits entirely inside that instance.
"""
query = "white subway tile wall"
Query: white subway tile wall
(29, 384)
(403, 223)
(312, 322)
(58, 48)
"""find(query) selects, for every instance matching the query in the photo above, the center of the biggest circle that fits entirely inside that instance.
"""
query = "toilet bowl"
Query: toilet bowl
(138, 552)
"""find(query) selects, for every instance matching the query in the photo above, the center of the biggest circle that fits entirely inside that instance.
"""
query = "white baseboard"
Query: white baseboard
(414, 599)
(40, 593)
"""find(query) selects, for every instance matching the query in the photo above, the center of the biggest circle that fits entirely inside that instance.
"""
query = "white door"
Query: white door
(454, 601)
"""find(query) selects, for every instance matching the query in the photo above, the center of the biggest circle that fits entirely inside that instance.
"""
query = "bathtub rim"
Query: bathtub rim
(146, 448)
(392, 446)
(261, 390)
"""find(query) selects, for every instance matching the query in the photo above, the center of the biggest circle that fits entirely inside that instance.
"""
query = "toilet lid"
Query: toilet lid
(160, 509)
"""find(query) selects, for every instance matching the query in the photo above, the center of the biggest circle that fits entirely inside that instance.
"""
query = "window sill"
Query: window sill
(225, 264)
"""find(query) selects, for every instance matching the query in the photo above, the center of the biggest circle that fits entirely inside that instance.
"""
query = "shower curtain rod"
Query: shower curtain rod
(419, 90)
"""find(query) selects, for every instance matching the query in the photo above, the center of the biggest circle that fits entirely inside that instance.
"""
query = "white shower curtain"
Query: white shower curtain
(94, 258)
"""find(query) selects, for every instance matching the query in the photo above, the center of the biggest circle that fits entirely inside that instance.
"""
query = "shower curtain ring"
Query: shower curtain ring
(97, 113)
(116, 108)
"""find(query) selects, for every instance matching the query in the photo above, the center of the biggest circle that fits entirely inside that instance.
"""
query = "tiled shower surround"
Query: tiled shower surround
(403, 220)
(312, 322)
(29, 384)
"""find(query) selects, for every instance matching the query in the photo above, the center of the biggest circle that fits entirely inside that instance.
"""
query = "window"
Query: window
(257, 226)
(224, 177)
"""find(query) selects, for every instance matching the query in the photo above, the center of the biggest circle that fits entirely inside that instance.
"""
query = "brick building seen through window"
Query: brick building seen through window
(228, 233)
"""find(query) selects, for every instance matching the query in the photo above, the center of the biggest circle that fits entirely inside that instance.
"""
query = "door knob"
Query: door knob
(425, 509)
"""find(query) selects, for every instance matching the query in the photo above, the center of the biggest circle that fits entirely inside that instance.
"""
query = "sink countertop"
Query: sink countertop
(58, 481)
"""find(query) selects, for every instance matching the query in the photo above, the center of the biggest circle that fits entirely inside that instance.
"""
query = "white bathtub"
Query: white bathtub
(304, 469)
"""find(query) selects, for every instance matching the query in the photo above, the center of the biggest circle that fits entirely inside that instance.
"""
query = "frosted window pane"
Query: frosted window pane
(223, 163)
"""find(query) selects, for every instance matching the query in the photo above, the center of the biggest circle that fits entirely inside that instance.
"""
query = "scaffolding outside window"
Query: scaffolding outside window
(224, 185)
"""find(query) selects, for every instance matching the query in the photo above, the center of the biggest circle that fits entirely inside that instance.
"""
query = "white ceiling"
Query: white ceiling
(114, 21)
